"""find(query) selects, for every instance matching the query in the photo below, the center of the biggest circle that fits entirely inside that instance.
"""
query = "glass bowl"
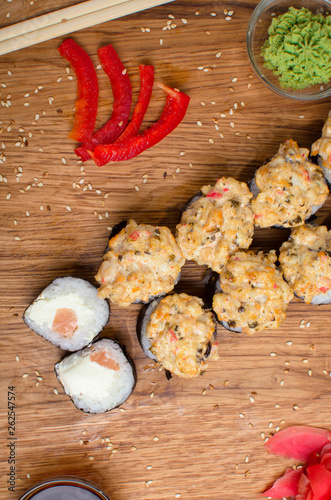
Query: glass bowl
(64, 487)
(257, 34)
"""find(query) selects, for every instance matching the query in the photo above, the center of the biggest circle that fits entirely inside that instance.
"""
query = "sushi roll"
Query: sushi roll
(98, 378)
(322, 149)
(305, 260)
(179, 333)
(251, 294)
(216, 223)
(288, 189)
(68, 313)
(142, 262)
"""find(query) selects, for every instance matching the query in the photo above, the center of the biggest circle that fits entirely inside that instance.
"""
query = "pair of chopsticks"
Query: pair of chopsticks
(68, 20)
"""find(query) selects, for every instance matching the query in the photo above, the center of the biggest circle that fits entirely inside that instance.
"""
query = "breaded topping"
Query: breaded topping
(322, 146)
(142, 261)
(217, 224)
(254, 294)
(290, 188)
(181, 333)
(306, 261)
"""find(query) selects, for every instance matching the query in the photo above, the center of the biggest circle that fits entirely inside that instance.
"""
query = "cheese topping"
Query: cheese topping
(217, 224)
(306, 261)
(322, 146)
(142, 261)
(254, 295)
(290, 188)
(181, 334)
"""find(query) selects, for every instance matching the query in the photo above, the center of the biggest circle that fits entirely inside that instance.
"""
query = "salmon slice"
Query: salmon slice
(103, 359)
(65, 322)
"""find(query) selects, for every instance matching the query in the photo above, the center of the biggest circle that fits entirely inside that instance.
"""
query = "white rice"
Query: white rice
(72, 293)
(92, 387)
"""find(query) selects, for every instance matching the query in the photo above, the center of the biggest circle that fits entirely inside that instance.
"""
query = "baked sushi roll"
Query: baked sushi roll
(179, 333)
(305, 260)
(322, 149)
(142, 262)
(98, 378)
(68, 313)
(216, 223)
(288, 189)
(251, 294)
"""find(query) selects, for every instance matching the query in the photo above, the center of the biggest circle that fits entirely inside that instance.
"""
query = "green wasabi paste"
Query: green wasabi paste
(298, 49)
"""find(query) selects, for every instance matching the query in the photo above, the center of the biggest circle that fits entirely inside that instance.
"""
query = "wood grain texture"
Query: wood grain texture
(203, 438)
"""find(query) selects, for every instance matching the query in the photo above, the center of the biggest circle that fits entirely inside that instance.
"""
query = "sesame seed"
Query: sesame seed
(252, 400)
(149, 467)
(211, 141)
(241, 415)
(25, 375)
(56, 391)
(308, 324)
(8, 196)
(136, 188)
(199, 123)
(91, 458)
(148, 483)
(184, 21)
(68, 208)
(289, 342)
(26, 104)
(28, 476)
(124, 71)
(178, 495)
(310, 373)
(231, 124)
(59, 79)
(64, 161)
(228, 18)
(272, 354)
(161, 41)
(133, 448)
(305, 360)
(17, 238)
(155, 438)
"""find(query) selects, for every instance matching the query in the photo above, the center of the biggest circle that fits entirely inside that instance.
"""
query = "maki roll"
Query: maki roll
(216, 223)
(98, 378)
(305, 261)
(288, 189)
(179, 333)
(322, 149)
(142, 262)
(68, 313)
(251, 294)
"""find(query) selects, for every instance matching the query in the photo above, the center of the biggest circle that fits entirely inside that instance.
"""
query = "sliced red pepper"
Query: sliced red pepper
(298, 442)
(122, 93)
(172, 114)
(285, 486)
(320, 482)
(87, 90)
(214, 194)
(146, 87)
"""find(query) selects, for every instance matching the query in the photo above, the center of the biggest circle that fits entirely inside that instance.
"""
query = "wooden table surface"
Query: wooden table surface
(198, 439)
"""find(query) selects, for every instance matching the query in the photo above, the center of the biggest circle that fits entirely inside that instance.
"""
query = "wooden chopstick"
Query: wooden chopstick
(68, 20)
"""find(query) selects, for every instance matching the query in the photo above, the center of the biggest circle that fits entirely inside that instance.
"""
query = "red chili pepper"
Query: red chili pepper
(87, 90)
(122, 92)
(214, 194)
(146, 87)
(172, 114)
(173, 337)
